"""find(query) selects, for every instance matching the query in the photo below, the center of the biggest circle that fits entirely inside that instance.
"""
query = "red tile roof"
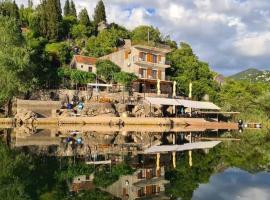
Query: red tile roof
(86, 185)
(85, 59)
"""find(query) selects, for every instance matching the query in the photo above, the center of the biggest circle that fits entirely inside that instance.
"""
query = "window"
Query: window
(143, 56)
(142, 72)
(154, 60)
(154, 74)
(90, 69)
(81, 66)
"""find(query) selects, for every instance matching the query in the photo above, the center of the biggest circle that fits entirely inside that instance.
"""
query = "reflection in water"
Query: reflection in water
(234, 183)
(136, 164)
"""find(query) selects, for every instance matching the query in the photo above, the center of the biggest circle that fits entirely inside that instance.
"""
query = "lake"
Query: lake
(94, 163)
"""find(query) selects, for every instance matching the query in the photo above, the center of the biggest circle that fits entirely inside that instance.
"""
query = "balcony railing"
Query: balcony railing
(138, 60)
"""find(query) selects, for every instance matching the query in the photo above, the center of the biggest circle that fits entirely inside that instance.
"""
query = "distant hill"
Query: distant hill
(253, 75)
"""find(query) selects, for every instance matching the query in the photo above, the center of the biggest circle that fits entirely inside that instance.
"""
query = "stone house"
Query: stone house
(146, 182)
(83, 63)
(148, 63)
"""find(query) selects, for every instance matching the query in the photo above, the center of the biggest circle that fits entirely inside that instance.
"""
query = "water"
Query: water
(51, 163)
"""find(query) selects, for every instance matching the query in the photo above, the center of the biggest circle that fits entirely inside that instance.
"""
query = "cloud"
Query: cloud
(230, 35)
(235, 184)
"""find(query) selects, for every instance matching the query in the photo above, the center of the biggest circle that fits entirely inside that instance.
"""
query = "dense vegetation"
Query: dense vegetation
(40, 42)
(250, 154)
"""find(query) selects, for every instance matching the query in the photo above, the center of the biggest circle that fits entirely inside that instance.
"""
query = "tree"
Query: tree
(73, 11)
(99, 13)
(186, 68)
(54, 18)
(146, 33)
(84, 17)
(124, 78)
(30, 4)
(10, 9)
(81, 31)
(66, 8)
(105, 42)
(60, 51)
(16, 72)
(107, 69)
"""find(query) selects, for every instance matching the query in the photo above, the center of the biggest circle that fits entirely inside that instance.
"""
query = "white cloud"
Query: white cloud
(229, 34)
(254, 45)
(235, 184)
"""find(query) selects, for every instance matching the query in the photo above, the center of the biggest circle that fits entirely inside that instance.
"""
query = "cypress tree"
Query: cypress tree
(73, 9)
(84, 17)
(66, 8)
(54, 18)
(30, 4)
(100, 13)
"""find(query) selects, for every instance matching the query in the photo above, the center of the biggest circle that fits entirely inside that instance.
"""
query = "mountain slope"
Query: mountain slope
(253, 75)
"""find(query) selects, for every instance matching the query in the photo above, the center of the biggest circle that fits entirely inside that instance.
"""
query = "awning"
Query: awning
(198, 104)
(182, 102)
(99, 85)
(161, 101)
(184, 147)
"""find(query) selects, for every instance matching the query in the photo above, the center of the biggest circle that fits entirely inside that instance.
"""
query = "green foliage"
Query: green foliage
(72, 170)
(16, 72)
(124, 78)
(48, 19)
(84, 17)
(104, 178)
(99, 13)
(25, 16)
(106, 41)
(107, 69)
(186, 68)
(73, 11)
(66, 8)
(67, 26)
(81, 31)
(14, 170)
(9, 9)
(76, 76)
(246, 97)
(141, 33)
(95, 194)
(59, 51)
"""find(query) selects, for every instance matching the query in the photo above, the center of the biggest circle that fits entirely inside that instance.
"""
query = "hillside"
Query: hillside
(253, 75)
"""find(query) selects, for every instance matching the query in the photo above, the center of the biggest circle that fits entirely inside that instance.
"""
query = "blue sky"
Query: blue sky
(231, 35)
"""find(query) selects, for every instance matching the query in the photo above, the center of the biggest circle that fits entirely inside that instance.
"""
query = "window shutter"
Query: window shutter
(159, 74)
(126, 54)
(148, 57)
(149, 72)
(159, 58)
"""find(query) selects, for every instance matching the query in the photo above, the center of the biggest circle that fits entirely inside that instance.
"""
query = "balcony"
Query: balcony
(139, 61)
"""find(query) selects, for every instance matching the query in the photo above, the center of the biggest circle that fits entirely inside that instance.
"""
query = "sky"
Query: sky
(235, 184)
(231, 35)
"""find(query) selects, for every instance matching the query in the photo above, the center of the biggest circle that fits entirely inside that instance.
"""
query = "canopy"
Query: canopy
(198, 104)
(184, 147)
(182, 102)
(99, 85)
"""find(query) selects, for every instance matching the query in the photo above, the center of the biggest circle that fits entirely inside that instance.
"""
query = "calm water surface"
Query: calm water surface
(119, 164)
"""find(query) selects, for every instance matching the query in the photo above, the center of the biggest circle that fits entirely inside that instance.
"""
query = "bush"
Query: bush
(124, 78)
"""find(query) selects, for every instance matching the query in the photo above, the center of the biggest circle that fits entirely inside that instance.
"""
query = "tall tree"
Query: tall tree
(100, 13)
(30, 4)
(16, 72)
(73, 11)
(186, 68)
(10, 9)
(84, 17)
(54, 18)
(66, 8)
